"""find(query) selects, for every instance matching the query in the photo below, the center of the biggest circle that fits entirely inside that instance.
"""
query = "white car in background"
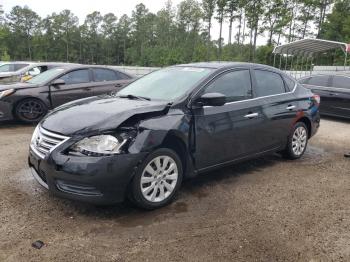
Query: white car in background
(12, 72)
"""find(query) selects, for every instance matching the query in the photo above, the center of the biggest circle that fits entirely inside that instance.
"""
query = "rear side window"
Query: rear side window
(319, 81)
(101, 75)
(235, 85)
(341, 82)
(268, 83)
(76, 77)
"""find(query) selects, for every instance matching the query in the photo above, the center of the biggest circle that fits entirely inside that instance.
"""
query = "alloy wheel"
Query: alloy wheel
(299, 140)
(31, 110)
(159, 179)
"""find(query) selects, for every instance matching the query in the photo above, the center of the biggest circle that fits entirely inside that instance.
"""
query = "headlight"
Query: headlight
(99, 145)
(7, 93)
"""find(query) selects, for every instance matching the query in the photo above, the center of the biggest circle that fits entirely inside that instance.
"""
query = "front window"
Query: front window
(76, 77)
(46, 76)
(166, 84)
(235, 85)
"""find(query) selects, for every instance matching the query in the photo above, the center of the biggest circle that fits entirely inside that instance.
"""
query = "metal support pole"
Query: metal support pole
(291, 65)
(280, 61)
(346, 59)
(296, 71)
(274, 60)
(307, 58)
(285, 65)
(301, 66)
(312, 59)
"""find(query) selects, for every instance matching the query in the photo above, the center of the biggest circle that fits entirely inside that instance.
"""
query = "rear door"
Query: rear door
(320, 85)
(78, 84)
(231, 131)
(340, 91)
(278, 108)
(107, 80)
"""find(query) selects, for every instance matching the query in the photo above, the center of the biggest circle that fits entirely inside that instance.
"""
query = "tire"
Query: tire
(154, 186)
(297, 142)
(30, 110)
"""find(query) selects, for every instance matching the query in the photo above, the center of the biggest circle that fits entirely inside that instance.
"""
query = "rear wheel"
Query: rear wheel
(157, 180)
(297, 141)
(30, 110)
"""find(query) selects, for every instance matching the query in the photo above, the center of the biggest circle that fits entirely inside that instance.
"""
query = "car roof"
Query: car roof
(226, 64)
(67, 67)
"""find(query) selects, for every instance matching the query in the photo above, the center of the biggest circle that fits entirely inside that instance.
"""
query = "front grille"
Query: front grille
(44, 142)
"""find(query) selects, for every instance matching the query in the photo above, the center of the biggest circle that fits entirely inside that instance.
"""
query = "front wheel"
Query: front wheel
(30, 110)
(157, 179)
(297, 141)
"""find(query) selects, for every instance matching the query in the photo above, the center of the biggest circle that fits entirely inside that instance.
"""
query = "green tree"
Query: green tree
(232, 7)
(208, 13)
(23, 23)
(108, 29)
(91, 31)
(221, 7)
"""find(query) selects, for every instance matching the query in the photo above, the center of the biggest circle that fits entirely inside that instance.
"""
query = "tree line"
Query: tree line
(173, 35)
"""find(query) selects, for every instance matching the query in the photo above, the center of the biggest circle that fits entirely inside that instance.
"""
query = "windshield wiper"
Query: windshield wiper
(135, 97)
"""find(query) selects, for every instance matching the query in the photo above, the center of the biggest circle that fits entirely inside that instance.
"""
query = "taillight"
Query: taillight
(316, 98)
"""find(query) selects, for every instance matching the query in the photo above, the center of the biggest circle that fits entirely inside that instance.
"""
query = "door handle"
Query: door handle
(291, 107)
(87, 88)
(251, 115)
(118, 85)
(333, 94)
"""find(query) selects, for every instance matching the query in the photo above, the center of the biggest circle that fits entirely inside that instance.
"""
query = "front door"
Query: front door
(77, 85)
(227, 132)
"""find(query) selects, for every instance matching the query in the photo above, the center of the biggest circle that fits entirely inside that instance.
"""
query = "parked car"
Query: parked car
(30, 101)
(14, 72)
(169, 125)
(334, 91)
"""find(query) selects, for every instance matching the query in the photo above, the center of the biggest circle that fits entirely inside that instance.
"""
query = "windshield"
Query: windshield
(166, 84)
(45, 77)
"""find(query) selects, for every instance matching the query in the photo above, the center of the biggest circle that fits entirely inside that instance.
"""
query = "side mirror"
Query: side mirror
(212, 99)
(58, 82)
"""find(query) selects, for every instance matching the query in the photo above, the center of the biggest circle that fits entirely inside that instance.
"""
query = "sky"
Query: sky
(118, 7)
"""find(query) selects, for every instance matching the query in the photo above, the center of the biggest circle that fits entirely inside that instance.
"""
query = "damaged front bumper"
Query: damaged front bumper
(96, 180)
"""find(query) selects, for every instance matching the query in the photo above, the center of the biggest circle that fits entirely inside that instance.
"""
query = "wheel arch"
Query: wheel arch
(307, 122)
(176, 142)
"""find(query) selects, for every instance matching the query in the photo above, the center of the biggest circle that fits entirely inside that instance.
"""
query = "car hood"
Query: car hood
(16, 86)
(95, 114)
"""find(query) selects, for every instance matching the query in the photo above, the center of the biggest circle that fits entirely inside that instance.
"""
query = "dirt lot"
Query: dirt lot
(263, 210)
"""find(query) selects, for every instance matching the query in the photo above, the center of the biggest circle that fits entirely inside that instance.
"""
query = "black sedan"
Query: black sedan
(169, 125)
(334, 91)
(30, 101)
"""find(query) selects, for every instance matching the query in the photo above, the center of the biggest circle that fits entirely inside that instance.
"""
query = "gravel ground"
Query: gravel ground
(268, 209)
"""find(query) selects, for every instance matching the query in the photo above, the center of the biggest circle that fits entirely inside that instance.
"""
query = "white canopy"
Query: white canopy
(308, 47)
